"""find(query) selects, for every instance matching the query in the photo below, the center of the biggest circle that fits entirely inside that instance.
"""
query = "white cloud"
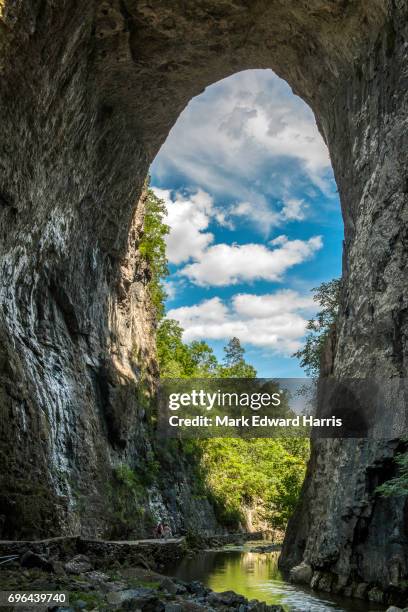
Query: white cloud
(266, 217)
(260, 214)
(249, 139)
(188, 218)
(264, 306)
(224, 264)
(170, 287)
(275, 321)
(294, 209)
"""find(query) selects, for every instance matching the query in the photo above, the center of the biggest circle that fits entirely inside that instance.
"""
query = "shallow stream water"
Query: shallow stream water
(256, 576)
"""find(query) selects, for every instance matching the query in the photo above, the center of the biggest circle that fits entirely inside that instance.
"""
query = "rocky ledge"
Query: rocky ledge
(305, 574)
(116, 586)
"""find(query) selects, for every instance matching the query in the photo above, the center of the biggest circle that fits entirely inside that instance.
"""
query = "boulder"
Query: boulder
(197, 588)
(226, 598)
(97, 577)
(78, 565)
(31, 560)
(301, 574)
(168, 585)
(361, 590)
(135, 599)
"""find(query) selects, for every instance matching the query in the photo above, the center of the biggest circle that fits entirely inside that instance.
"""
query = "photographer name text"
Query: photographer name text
(254, 420)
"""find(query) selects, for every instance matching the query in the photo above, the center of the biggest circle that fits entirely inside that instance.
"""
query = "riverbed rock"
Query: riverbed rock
(78, 565)
(173, 607)
(197, 588)
(168, 585)
(257, 606)
(266, 548)
(301, 574)
(31, 560)
(143, 599)
(360, 590)
(226, 598)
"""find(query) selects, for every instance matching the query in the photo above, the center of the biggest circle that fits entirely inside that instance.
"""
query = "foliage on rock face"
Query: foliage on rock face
(327, 296)
(127, 499)
(397, 486)
(153, 248)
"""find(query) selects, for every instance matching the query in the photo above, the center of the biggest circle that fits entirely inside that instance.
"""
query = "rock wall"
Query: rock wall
(355, 541)
(88, 93)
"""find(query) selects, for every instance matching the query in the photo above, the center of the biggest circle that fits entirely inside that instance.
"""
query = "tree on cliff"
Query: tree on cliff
(397, 486)
(327, 296)
(152, 247)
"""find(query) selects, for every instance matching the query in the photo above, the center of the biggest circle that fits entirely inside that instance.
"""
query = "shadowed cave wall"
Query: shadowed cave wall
(88, 93)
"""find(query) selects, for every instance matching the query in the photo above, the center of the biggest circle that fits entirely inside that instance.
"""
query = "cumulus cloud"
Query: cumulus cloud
(224, 264)
(248, 139)
(276, 320)
(188, 218)
(260, 214)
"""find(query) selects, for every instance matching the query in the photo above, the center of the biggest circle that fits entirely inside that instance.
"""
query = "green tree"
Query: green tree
(204, 361)
(327, 296)
(234, 364)
(172, 353)
(180, 360)
(234, 473)
(262, 473)
(397, 486)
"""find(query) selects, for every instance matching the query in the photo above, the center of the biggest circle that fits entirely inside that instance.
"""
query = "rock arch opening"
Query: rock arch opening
(253, 216)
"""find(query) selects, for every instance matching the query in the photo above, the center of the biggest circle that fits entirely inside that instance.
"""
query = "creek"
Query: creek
(256, 576)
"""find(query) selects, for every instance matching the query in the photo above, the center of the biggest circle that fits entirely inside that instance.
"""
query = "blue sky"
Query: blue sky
(254, 216)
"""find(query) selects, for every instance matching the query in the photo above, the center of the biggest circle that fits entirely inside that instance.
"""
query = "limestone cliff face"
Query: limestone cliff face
(356, 542)
(88, 93)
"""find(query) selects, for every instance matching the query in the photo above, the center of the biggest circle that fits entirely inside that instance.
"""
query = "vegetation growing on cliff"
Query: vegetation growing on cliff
(153, 248)
(180, 360)
(327, 296)
(397, 486)
(127, 495)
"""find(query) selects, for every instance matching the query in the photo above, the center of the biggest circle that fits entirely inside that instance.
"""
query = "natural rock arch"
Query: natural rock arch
(88, 92)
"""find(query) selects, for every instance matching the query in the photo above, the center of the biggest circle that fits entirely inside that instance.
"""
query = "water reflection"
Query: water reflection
(256, 576)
